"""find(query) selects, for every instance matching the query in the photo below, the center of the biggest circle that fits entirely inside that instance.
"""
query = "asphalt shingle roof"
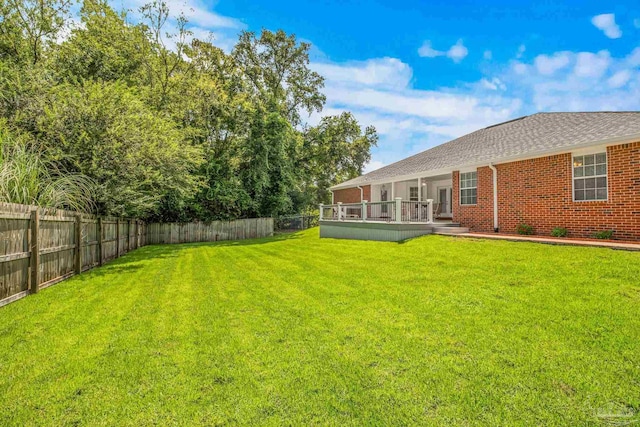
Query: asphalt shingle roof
(537, 133)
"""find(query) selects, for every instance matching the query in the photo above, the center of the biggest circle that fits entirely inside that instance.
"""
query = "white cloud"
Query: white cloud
(493, 84)
(592, 64)
(519, 68)
(383, 72)
(548, 65)
(633, 58)
(488, 55)
(607, 24)
(587, 81)
(619, 79)
(373, 165)
(427, 50)
(426, 104)
(456, 53)
(521, 49)
(379, 91)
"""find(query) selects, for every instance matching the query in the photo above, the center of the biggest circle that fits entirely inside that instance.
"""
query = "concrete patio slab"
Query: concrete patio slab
(629, 246)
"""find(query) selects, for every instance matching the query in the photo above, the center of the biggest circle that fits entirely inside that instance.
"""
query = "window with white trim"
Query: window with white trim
(413, 194)
(468, 188)
(590, 177)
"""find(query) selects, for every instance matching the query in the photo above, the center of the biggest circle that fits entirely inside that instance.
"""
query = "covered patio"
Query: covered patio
(437, 188)
(398, 210)
(422, 199)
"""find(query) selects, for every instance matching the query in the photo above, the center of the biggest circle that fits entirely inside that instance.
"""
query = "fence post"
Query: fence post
(78, 253)
(339, 211)
(100, 240)
(320, 216)
(128, 235)
(117, 237)
(398, 209)
(34, 247)
(364, 210)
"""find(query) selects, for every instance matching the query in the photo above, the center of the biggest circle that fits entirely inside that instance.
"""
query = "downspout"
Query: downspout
(495, 197)
(361, 193)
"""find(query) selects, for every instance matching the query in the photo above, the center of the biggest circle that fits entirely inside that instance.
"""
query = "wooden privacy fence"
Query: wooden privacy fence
(40, 247)
(209, 232)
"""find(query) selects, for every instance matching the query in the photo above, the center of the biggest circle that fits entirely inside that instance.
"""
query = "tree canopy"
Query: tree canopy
(155, 123)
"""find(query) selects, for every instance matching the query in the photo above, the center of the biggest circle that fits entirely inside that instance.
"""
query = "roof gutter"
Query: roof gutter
(495, 197)
(361, 192)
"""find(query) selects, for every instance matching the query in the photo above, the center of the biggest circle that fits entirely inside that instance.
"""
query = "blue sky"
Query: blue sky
(426, 72)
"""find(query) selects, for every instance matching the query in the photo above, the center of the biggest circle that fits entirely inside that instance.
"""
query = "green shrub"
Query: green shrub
(525, 229)
(605, 235)
(559, 232)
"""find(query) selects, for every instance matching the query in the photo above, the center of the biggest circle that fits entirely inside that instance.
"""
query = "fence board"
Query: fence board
(167, 233)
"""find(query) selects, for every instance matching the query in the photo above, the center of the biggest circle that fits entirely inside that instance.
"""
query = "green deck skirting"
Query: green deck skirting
(380, 231)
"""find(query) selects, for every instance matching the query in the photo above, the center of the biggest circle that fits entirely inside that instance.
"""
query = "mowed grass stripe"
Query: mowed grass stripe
(68, 344)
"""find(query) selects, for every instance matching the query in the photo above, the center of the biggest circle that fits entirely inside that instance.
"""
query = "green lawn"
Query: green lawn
(298, 330)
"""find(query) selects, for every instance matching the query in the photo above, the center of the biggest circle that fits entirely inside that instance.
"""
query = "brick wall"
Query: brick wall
(538, 192)
(478, 217)
(352, 195)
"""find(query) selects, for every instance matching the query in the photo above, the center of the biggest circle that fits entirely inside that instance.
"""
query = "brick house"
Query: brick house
(580, 171)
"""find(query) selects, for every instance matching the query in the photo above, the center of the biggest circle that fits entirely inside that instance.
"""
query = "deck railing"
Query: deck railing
(397, 211)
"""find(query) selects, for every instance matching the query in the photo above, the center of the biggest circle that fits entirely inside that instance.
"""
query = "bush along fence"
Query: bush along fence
(40, 247)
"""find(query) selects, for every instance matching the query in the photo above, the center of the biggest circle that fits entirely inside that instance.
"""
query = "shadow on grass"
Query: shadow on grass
(278, 237)
(115, 268)
(132, 261)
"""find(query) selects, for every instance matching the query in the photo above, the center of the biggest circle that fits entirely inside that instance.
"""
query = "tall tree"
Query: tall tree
(268, 170)
(30, 26)
(334, 151)
(165, 62)
(104, 47)
(277, 69)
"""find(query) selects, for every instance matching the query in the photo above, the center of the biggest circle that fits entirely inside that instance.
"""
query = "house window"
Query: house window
(468, 188)
(413, 194)
(590, 177)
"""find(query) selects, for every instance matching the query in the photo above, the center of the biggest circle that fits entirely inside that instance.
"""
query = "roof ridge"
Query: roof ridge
(508, 121)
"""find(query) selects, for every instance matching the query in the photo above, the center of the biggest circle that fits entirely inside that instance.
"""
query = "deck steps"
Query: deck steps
(450, 229)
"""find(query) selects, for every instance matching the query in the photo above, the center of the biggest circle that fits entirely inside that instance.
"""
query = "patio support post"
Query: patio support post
(419, 199)
(364, 210)
(320, 215)
(398, 209)
(339, 211)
